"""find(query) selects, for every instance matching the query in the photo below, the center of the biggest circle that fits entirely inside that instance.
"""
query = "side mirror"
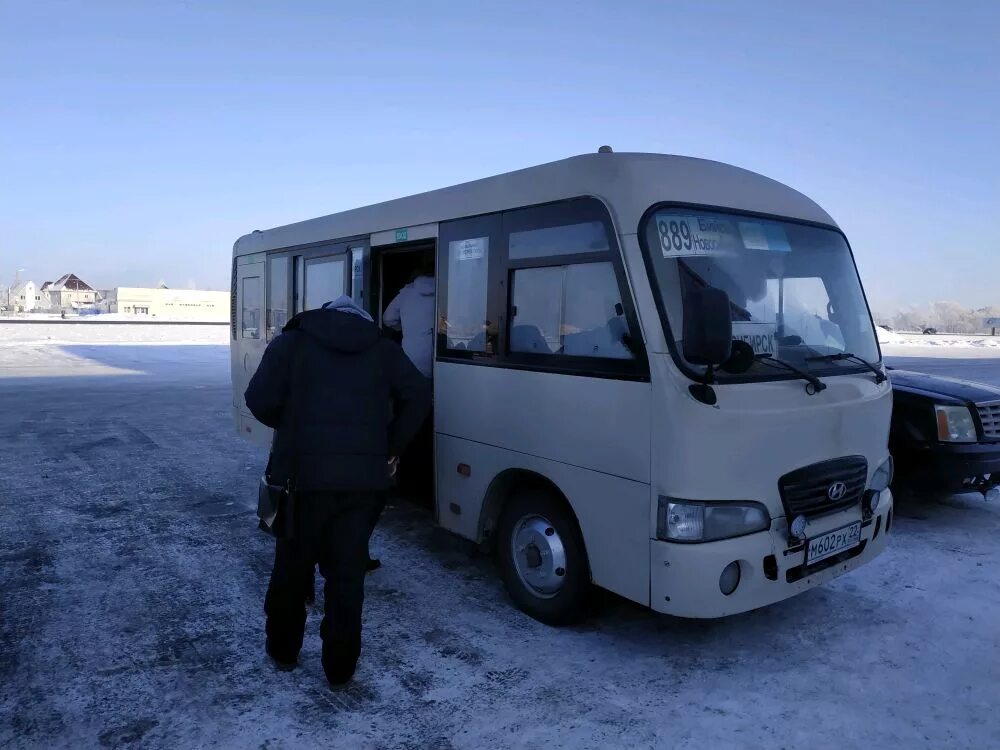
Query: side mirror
(708, 327)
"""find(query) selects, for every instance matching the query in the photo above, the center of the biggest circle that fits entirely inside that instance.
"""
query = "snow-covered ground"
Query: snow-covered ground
(941, 341)
(18, 334)
(107, 318)
(61, 351)
(132, 576)
(971, 357)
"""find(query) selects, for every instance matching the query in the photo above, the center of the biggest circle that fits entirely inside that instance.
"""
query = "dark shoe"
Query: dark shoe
(340, 660)
(282, 663)
(372, 564)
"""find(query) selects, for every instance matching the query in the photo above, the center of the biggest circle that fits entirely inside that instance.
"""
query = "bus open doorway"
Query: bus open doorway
(397, 266)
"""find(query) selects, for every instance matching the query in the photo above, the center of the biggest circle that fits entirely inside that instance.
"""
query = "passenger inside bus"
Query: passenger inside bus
(412, 313)
(408, 287)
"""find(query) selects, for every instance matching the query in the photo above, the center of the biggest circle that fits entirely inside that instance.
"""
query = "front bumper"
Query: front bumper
(946, 465)
(684, 578)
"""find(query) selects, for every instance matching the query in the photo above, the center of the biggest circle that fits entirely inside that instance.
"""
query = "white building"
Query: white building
(22, 297)
(70, 292)
(171, 304)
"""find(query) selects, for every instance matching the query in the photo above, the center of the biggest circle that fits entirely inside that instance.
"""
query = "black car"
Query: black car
(945, 434)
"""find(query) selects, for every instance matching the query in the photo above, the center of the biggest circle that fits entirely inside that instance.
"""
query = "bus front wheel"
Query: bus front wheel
(542, 558)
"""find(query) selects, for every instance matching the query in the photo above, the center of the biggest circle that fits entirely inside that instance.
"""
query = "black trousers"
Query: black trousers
(332, 530)
(416, 467)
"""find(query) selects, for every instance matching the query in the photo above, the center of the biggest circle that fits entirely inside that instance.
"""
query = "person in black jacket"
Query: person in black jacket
(345, 402)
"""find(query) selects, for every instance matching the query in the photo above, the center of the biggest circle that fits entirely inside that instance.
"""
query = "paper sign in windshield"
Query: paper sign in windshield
(764, 236)
(760, 336)
(473, 249)
(683, 236)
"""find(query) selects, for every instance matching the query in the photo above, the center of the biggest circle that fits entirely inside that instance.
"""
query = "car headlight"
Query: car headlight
(882, 477)
(692, 521)
(955, 424)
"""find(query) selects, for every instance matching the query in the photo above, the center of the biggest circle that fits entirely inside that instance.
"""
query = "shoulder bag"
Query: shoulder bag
(276, 504)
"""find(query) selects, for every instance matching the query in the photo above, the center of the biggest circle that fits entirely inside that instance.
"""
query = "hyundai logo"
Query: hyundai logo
(836, 491)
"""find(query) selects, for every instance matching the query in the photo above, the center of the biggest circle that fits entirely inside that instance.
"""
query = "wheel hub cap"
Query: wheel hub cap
(539, 556)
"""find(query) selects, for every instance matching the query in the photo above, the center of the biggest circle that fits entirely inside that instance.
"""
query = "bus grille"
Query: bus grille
(989, 415)
(806, 491)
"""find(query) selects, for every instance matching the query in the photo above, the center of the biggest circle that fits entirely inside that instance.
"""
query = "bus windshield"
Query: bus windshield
(794, 290)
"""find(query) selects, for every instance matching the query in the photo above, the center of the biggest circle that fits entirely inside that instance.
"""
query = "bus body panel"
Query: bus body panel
(628, 182)
(598, 423)
(738, 450)
(758, 432)
(250, 428)
(612, 511)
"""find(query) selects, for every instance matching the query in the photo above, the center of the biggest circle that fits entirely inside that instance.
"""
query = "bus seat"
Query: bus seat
(528, 338)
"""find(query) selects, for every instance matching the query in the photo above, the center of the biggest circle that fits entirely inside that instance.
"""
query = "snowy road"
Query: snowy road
(132, 575)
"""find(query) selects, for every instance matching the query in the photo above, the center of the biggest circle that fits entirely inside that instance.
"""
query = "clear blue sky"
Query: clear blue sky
(139, 139)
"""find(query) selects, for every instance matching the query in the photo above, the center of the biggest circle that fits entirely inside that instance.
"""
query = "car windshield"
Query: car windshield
(793, 289)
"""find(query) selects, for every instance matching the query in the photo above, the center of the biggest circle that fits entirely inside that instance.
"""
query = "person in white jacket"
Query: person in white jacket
(412, 312)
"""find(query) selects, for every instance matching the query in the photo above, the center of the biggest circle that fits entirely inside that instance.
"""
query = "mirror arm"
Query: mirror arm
(703, 391)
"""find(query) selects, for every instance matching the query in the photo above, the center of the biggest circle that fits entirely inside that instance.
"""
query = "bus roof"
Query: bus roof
(628, 182)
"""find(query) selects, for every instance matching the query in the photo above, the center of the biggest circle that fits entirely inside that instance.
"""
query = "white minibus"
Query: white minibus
(652, 373)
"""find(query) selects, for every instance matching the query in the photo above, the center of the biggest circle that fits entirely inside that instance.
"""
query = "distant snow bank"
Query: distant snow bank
(939, 341)
(55, 334)
(91, 317)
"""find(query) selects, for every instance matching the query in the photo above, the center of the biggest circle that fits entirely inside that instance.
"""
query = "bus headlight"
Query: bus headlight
(693, 521)
(954, 424)
(882, 477)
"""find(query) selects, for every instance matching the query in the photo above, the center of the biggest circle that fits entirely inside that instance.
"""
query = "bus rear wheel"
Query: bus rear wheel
(542, 558)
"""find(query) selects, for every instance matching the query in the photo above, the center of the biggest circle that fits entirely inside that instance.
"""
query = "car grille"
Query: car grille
(804, 491)
(989, 415)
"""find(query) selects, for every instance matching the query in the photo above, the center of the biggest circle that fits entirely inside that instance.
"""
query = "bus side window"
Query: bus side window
(565, 292)
(572, 310)
(466, 317)
(324, 280)
(277, 294)
(250, 317)
(468, 272)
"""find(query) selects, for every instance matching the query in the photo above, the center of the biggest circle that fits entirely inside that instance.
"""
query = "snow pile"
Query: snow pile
(887, 337)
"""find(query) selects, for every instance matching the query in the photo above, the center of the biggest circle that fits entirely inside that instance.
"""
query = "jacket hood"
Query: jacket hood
(424, 285)
(343, 303)
(336, 329)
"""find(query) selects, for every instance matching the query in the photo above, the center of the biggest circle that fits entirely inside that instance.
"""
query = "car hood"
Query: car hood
(933, 385)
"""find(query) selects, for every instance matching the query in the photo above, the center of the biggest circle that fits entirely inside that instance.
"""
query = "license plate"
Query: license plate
(832, 543)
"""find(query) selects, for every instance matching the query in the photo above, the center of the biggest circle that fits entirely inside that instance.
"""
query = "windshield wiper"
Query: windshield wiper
(815, 383)
(879, 375)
